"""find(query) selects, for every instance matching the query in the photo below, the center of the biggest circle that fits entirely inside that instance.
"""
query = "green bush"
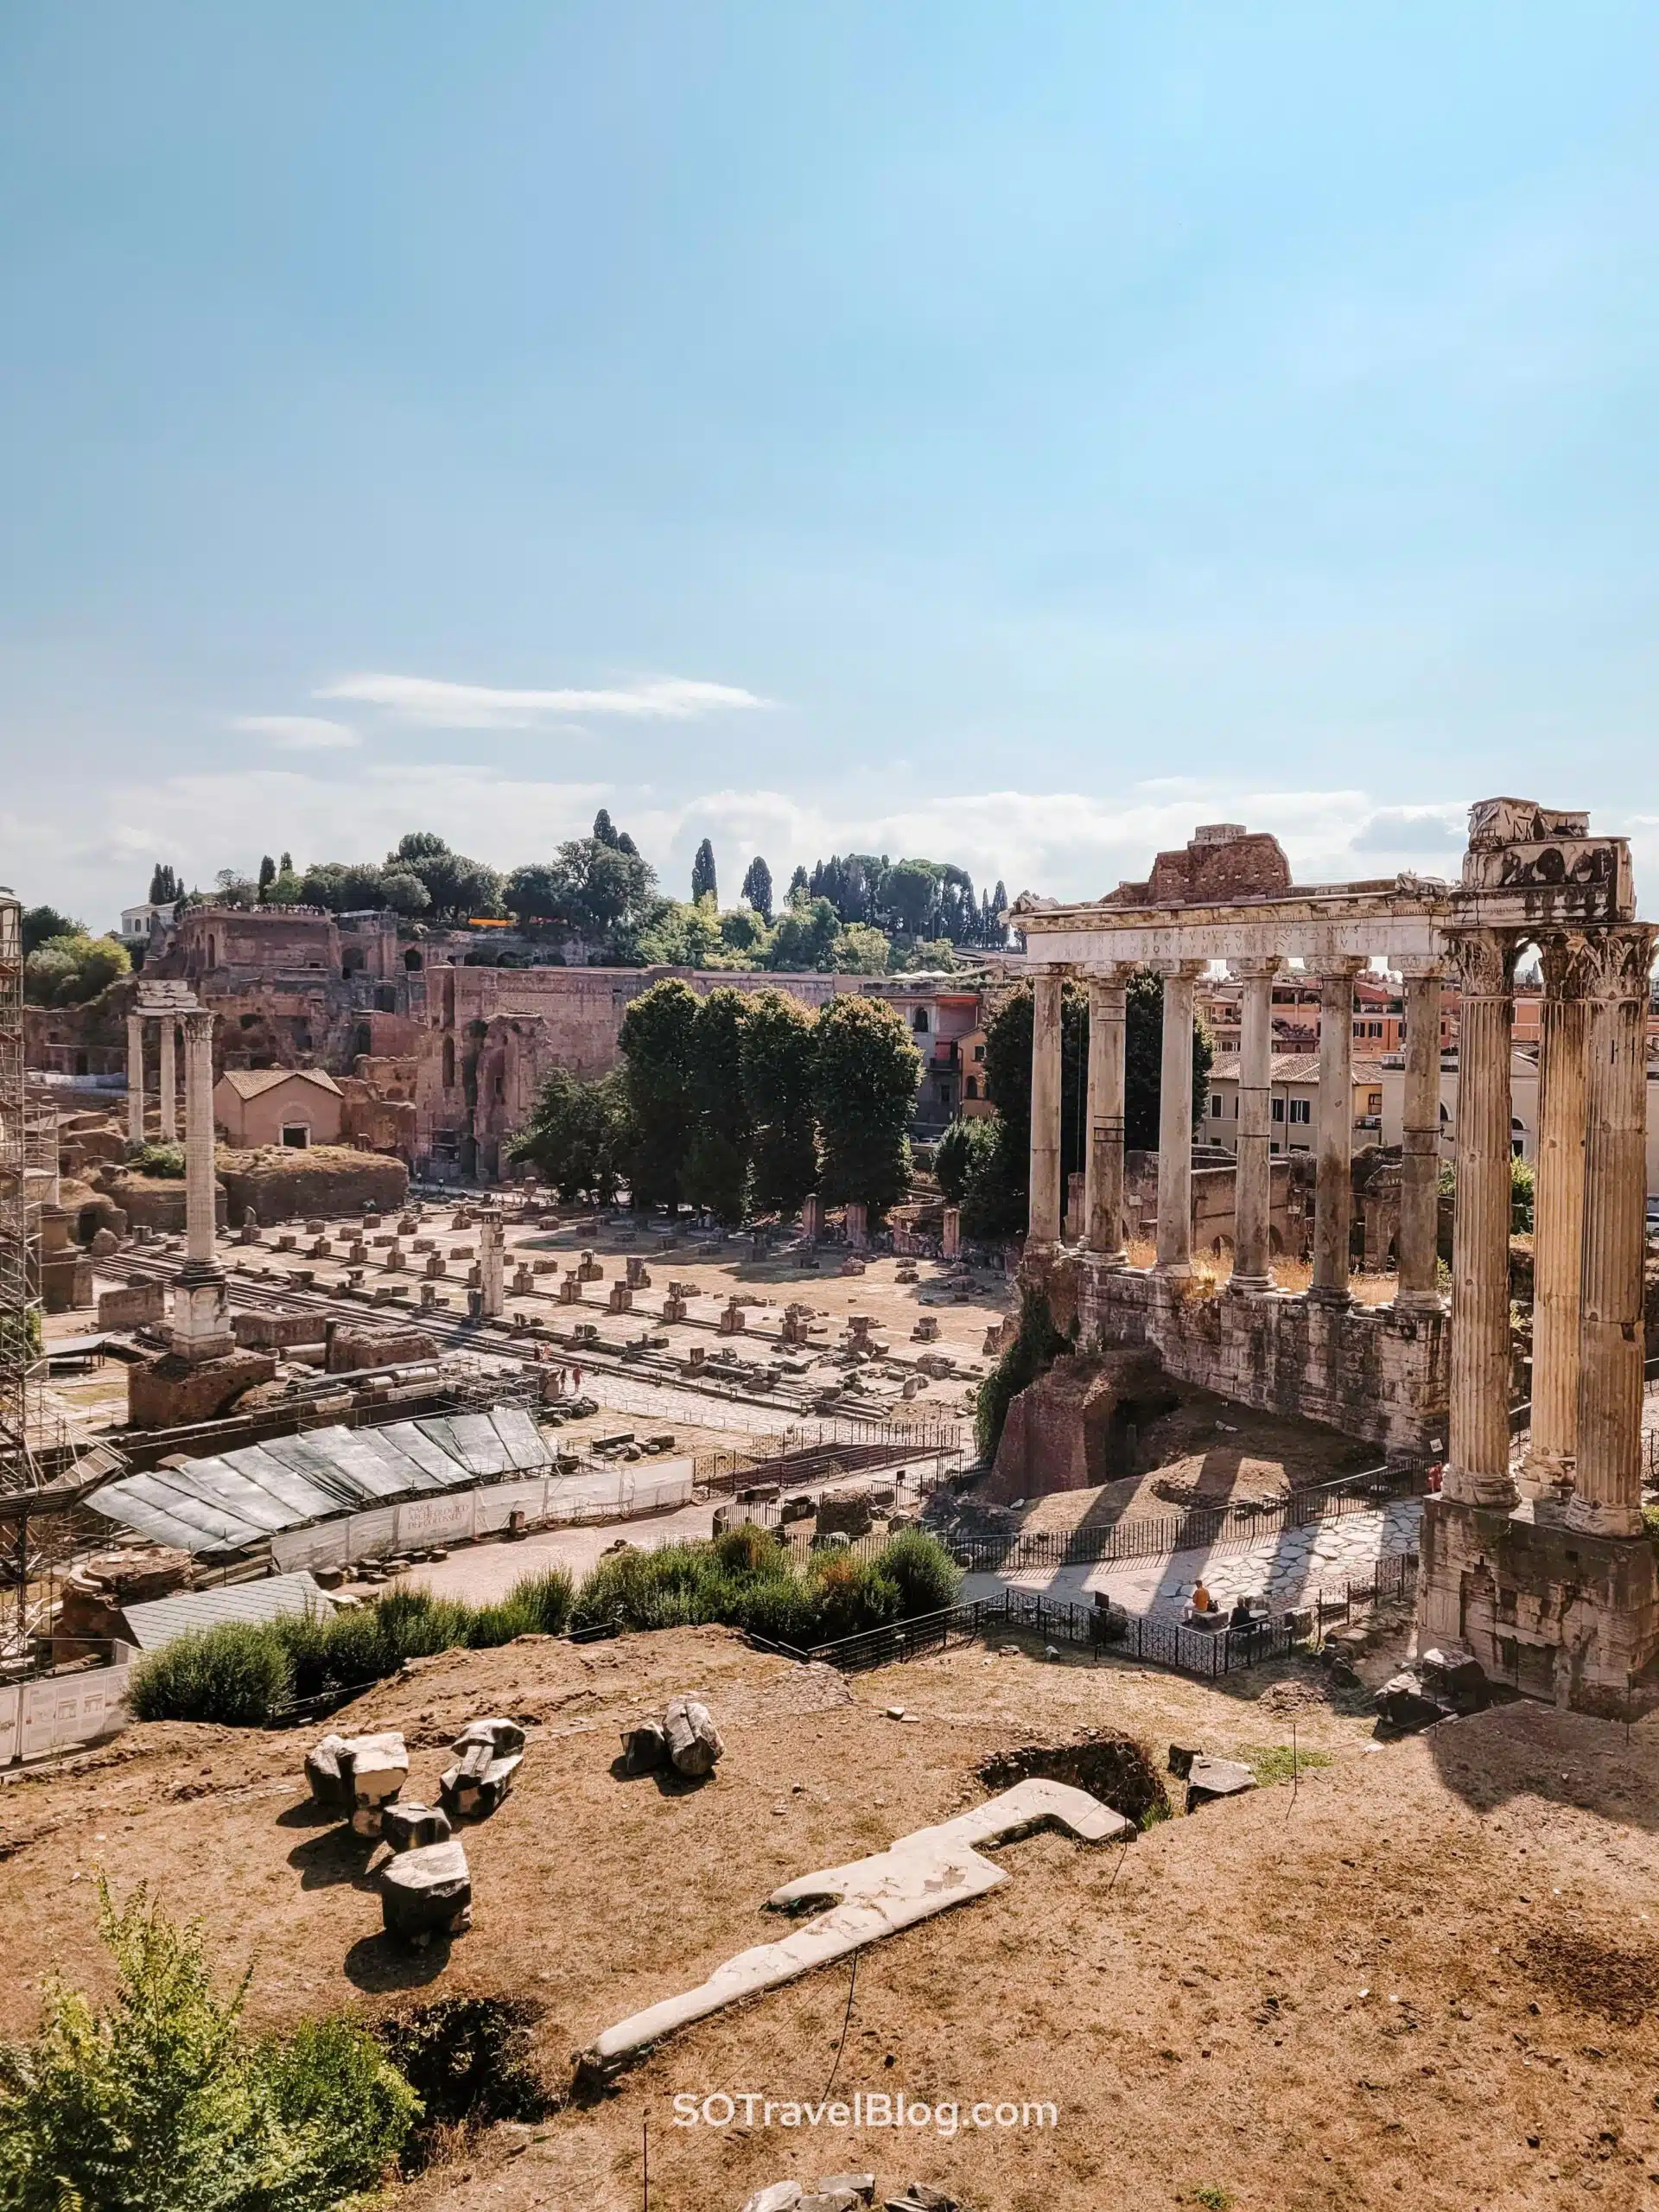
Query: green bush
(928, 1579)
(237, 1673)
(165, 1161)
(491, 1625)
(781, 1610)
(851, 1594)
(158, 2103)
(545, 1597)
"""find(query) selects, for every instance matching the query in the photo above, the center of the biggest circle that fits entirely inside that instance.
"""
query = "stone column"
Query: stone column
(1175, 1120)
(135, 1078)
(201, 1325)
(1253, 1182)
(492, 1295)
(1108, 1018)
(1333, 1197)
(1043, 1231)
(1478, 1466)
(1420, 1164)
(1557, 1217)
(169, 1082)
(1606, 1499)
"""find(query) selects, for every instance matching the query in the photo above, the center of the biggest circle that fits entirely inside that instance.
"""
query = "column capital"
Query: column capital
(1334, 966)
(1178, 971)
(1485, 960)
(1419, 968)
(1260, 970)
(1621, 961)
(1568, 965)
(1111, 972)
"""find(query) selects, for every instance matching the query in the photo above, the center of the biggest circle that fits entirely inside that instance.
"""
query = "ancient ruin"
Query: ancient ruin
(1542, 1571)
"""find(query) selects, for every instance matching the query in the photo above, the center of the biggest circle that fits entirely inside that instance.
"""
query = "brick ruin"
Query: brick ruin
(1543, 1571)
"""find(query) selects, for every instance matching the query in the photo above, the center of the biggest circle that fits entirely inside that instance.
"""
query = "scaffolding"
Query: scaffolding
(22, 1360)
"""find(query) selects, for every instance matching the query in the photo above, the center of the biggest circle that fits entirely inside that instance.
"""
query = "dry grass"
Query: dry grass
(1211, 1269)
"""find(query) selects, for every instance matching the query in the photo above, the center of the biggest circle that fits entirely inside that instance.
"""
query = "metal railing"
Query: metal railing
(1206, 1653)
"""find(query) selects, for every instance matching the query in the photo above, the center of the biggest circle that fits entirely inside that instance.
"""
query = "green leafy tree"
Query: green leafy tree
(578, 1137)
(678, 935)
(960, 1153)
(757, 887)
(457, 887)
(703, 874)
(909, 893)
(160, 2102)
(744, 934)
(780, 1074)
(70, 970)
(657, 1039)
(866, 1080)
(797, 886)
(717, 1165)
(593, 886)
(267, 875)
(804, 937)
(41, 924)
(859, 951)
(605, 829)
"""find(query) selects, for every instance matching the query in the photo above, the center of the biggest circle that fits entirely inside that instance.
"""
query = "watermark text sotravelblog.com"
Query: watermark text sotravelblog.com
(866, 2108)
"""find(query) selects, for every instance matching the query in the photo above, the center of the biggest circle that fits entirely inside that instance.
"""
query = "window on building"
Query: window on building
(919, 1021)
(1215, 1105)
(970, 1089)
(1373, 1101)
(448, 1063)
(1301, 1109)
(979, 1052)
(1278, 1109)
(296, 1134)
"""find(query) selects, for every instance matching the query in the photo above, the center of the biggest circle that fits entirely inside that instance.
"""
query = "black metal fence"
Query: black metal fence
(1198, 1529)
(1206, 1653)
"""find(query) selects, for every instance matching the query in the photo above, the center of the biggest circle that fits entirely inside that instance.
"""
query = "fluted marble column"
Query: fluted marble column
(1477, 1464)
(1044, 1220)
(1108, 1021)
(1557, 1217)
(1253, 1184)
(135, 1078)
(169, 1082)
(1420, 1164)
(1606, 1498)
(201, 1317)
(1175, 1120)
(1333, 1203)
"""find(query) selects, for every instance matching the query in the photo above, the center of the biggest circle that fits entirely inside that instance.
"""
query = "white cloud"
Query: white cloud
(479, 706)
(1066, 844)
(298, 733)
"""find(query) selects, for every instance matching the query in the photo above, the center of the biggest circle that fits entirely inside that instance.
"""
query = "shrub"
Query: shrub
(236, 1673)
(545, 1599)
(165, 1161)
(928, 1579)
(781, 1610)
(157, 2103)
(491, 1625)
(852, 1594)
(747, 1549)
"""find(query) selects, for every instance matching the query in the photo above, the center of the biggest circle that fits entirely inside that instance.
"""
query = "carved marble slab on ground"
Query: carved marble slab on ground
(694, 1742)
(917, 1875)
(1209, 1779)
(427, 1892)
(411, 1827)
(488, 1753)
(332, 1766)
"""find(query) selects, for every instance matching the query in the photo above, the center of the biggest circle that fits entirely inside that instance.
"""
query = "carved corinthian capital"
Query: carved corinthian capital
(1484, 962)
(1620, 962)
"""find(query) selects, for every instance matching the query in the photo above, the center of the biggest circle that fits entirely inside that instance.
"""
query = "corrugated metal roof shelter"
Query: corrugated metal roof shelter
(278, 1597)
(221, 1505)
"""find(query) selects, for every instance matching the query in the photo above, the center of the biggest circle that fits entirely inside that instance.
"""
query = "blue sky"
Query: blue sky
(1010, 433)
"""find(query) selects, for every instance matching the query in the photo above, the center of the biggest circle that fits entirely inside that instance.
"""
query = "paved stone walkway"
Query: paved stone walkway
(1286, 1568)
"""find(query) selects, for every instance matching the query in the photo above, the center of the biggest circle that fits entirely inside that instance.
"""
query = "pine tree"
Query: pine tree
(286, 865)
(267, 874)
(799, 888)
(605, 829)
(703, 874)
(757, 887)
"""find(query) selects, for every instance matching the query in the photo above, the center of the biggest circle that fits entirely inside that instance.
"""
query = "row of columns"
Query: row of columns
(167, 1075)
(1588, 1228)
(1104, 1226)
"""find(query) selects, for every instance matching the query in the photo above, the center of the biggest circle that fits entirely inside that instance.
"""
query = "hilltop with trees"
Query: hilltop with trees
(859, 915)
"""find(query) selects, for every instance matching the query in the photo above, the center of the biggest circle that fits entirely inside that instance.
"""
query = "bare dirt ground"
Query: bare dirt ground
(1422, 1974)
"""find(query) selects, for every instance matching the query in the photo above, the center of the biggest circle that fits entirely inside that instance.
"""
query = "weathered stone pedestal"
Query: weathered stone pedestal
(1548, 1608)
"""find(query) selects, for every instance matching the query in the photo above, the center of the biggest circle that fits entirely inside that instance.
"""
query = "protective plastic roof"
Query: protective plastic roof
(220, 1504)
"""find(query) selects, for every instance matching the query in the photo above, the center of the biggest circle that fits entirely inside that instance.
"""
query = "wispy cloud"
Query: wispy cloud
(1413, 830)
(298, 733)
(480, 706)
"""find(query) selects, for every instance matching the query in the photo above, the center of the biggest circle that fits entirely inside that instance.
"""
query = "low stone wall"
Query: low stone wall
(1365, 1370)
(134, 1306)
